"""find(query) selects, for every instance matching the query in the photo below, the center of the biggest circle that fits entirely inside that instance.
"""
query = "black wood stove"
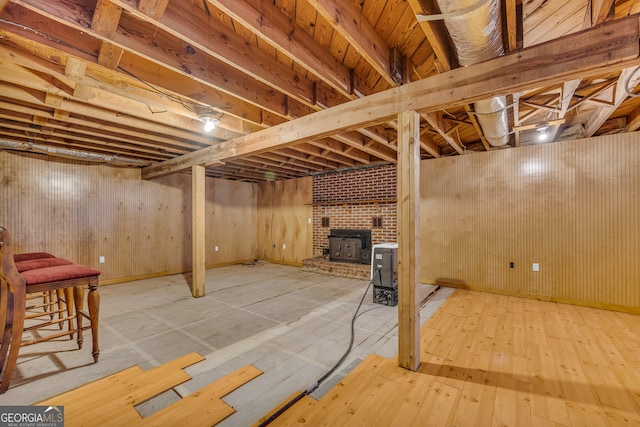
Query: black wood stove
(346, 245)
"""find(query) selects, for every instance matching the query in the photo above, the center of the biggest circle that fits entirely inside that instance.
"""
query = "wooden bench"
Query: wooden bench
(26, 274)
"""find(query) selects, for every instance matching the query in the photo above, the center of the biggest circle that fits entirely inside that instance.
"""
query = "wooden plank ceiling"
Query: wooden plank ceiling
(128, 81)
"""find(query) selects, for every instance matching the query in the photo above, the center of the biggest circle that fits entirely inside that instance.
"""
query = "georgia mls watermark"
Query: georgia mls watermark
(31, 416)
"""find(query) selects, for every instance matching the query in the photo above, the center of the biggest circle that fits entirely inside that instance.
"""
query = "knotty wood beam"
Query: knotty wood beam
(187, 22)
(105, 18)
(436, 34)
(154, 8)
(273, 26)
(198, 230)
(614, 45)
(110, 55)
(147, 71)
(141, 115)
(408, 240)
(105, 22)
(163, 49)
(349, 22)
(513, 19)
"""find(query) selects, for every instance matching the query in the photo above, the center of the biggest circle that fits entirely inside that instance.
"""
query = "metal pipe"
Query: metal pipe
(113, 159)
(477, 37)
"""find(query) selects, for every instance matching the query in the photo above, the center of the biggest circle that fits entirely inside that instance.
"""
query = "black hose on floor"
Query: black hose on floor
(327, 374)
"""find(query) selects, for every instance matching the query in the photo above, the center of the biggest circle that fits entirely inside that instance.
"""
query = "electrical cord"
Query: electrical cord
(327, 374)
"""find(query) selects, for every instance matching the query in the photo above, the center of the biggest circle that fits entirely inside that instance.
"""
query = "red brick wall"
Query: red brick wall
(351, 199)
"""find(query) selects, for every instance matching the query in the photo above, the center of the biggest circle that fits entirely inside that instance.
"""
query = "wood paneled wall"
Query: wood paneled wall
(285, 232)
(572, 207)
(142, 228)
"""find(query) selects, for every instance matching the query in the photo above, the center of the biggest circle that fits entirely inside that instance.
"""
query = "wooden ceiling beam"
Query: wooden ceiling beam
(186, 22)
(160, 121)
(435, 121)
(612, 45)
(601, 10)
(314, 155)
(634, 120)
(318, 151)
(105, 18)
(436, 34)
(514, 25)
(37, 136)
(232, 49)
(347, 20)
(154, 8)
(151, 75)
(171, 55)
(628, 80)
(100, 128)
(296, 153)
(257, 165)
(83, 131)
(271, 25)
(294, 162)
(428, 144)
(100, 114)
(229, 127)
(358, 143)
(594, 90)
(339, 147)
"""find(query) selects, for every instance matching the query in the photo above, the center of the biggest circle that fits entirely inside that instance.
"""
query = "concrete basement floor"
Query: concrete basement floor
(292, 325)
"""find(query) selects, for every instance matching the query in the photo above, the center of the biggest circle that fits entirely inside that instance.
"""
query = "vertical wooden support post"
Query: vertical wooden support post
(408, 240)
(197, 230)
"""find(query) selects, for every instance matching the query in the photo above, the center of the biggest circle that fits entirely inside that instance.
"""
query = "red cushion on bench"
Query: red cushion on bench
(58, 273)
(32, 264)
(31, 255)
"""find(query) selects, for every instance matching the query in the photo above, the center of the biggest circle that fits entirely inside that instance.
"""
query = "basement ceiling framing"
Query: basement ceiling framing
(130, 79)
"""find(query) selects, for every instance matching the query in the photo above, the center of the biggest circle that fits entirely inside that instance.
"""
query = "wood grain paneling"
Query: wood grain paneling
(285, 232)
(571, 207)
(142, 228)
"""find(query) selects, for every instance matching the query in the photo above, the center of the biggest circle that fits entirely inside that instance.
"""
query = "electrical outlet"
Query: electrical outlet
(535, 266)
(284, 246)
(216, 249)
(101, 259)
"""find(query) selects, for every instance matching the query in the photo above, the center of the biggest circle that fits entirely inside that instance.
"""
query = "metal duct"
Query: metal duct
(114, 160)
(477, 36)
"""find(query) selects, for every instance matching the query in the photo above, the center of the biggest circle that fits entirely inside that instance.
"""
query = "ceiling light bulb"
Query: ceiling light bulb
(209, 125)
(209, 121)
(542, 136)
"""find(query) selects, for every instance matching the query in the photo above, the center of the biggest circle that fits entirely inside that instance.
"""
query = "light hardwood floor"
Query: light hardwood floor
(494, 360)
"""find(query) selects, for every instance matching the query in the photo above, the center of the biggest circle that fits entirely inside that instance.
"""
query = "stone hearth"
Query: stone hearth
(333, 268)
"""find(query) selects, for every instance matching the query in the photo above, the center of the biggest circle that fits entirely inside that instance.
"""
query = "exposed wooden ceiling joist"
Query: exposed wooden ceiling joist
(114, 76)
(547, 64)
